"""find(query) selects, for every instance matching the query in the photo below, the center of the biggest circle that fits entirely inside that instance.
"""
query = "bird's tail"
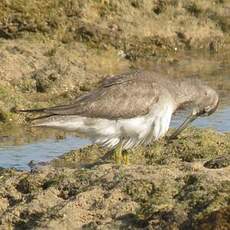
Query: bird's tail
(40, 110)
(30, 110)
(48, 118)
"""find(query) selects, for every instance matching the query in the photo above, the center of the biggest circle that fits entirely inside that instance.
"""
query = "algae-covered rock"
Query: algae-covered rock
(66, 21)
(193, 145)
(216, 220)
(3, 116)
(218, 162)
(168, 190)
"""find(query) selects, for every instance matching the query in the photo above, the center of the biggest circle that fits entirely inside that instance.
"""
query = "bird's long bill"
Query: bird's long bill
(189, 119)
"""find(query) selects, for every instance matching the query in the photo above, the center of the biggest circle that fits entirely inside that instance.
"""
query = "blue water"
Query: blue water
(19, 156)
(219, 121)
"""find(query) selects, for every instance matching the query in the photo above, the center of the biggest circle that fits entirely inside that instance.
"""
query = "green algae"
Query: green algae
(181, 193)
(192, 145)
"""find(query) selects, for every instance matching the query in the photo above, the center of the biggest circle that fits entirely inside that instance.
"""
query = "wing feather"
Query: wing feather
(123, 96)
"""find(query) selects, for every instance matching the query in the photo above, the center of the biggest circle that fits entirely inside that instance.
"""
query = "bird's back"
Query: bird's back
(122, 96)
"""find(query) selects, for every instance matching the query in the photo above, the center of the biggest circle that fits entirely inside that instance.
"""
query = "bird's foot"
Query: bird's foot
(125, 156)
(118, 155)
(121, 156)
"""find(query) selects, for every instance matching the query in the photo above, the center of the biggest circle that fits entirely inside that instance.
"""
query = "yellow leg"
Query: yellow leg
(118, 154)
(125, 157)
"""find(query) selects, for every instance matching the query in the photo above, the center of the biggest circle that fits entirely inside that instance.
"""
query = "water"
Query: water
(19, 147)
(19, 156)
(219, 121)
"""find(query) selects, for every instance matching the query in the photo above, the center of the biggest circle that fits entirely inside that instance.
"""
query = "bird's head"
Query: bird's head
(206, 103)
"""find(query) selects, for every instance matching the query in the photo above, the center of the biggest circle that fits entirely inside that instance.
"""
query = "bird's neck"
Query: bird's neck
(187, 92)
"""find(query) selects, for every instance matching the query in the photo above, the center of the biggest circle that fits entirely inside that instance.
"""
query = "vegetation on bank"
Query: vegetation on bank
(148, 28)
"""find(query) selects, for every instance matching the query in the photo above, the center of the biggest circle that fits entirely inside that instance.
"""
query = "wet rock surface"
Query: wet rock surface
(219, 162)
(160, 189)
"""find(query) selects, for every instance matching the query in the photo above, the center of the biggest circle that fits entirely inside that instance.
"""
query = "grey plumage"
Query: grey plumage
(129, 95)
(122, 96)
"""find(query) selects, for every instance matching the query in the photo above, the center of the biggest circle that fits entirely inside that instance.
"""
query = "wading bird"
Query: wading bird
(130, 109)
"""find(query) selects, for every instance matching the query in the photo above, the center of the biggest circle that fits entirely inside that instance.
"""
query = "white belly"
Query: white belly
(109, 133)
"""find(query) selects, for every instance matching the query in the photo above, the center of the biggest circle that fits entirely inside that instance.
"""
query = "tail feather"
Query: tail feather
(30, 110)
(41, 117)
(41, 110)
(55, 110)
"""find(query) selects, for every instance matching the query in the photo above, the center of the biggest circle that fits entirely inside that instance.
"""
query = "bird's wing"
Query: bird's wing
(122, 78)
(123, 96)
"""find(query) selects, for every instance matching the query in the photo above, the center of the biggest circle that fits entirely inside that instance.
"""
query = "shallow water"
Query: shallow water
(18, 156)
(19, 148)
(219, 121)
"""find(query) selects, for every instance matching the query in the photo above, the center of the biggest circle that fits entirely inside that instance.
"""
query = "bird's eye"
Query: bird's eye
(203, 112)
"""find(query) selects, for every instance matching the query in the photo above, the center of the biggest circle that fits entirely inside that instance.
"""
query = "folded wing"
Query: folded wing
(123, 96)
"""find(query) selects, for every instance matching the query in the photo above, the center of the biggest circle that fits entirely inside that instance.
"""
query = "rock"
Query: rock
(219, 162)
(68, 193)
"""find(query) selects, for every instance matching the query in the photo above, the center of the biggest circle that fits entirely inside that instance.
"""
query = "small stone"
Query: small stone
(219, 162)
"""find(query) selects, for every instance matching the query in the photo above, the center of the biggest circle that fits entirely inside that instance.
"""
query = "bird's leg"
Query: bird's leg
(118, 154)
(125, 155)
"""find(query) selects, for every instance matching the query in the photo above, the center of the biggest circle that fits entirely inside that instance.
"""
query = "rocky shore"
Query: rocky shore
(184, 184)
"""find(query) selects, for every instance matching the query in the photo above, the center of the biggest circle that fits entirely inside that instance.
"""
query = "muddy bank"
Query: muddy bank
(183, 184)
(52, 51)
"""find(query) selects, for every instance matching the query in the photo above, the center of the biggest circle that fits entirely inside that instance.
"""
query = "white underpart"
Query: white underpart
(109, 133)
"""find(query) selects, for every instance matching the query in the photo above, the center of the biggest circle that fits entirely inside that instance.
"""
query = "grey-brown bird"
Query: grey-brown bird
(131, 109)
